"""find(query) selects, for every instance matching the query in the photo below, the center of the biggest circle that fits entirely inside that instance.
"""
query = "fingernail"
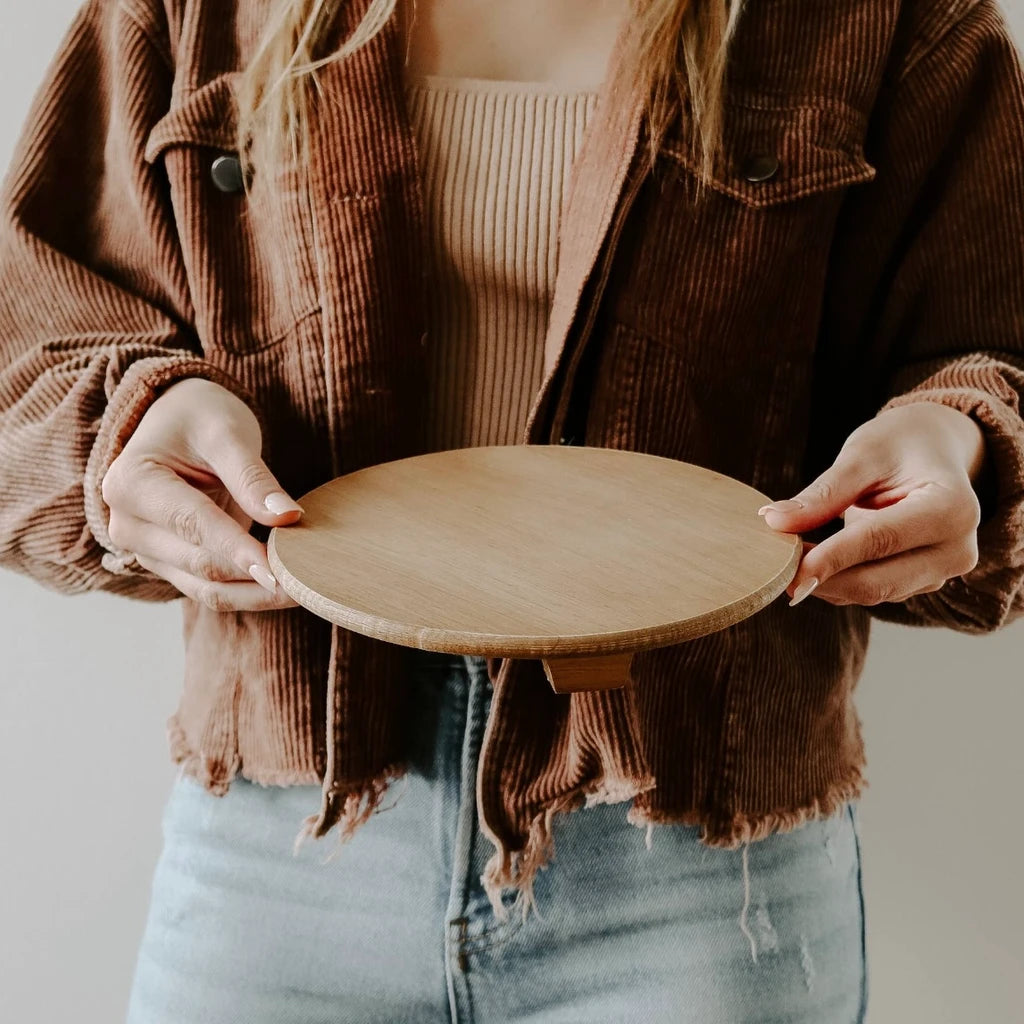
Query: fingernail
(803, 590)
(279, 503)
(263, 577)
(787, 505)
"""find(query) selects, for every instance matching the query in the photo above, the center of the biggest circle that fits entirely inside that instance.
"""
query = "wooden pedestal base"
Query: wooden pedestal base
(592, 672)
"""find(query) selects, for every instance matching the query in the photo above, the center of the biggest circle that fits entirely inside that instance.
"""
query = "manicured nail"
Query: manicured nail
(787, 505)
(263, 577)
(803, 590)
(279, 503)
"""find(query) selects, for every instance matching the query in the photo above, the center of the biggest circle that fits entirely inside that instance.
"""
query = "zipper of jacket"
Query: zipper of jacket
(568, 419)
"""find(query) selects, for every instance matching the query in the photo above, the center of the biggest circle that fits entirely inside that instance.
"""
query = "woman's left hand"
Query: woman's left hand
(903, 484)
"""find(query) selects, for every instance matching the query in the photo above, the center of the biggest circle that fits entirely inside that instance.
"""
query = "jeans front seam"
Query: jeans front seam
(862, 1014)
(461, 735)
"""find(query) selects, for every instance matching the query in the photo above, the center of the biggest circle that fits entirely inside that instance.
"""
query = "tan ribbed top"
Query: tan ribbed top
(495, 160)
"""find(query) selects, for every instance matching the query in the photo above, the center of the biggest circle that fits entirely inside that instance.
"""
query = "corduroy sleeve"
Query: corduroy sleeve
(943, 229)
(95, 315)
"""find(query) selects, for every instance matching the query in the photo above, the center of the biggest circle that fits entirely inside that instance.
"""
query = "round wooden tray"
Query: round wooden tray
(577, 556)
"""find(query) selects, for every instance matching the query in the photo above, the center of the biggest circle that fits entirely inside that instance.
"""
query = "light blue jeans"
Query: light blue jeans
(395, 927)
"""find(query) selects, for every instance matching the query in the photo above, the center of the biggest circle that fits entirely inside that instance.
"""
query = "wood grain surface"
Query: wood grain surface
(534, 551)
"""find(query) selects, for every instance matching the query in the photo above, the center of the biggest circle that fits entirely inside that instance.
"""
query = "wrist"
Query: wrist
(967, 437)
(980, 465)
(975, 446)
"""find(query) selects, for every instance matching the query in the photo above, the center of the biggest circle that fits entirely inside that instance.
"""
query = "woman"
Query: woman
(304, 238)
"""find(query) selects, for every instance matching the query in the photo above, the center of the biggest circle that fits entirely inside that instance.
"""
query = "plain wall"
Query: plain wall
(88, 683)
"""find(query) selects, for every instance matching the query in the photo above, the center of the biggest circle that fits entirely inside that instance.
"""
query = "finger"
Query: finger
(221, 597)
(921, 519)
(158, 543)
(826, 498)
(248, 478)
(923, 570)
(795, 582)
(160, 497)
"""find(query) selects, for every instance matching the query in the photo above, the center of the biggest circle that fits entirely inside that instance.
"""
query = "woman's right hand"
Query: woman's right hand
(185, 490)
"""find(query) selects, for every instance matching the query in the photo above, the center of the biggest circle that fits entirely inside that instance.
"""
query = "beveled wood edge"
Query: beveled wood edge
(428, 638)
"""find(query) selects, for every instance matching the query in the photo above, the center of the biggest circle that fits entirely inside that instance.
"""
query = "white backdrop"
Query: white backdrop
(87, 684)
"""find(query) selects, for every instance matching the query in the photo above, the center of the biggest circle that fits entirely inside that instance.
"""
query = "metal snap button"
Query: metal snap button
(226, 172)
(760, 167)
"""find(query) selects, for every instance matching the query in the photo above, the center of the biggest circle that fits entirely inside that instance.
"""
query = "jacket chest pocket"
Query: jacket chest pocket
(704, 346)
(248, 253)
(741, 268)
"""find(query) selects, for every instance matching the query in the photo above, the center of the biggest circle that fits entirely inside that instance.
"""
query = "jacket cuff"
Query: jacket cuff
(985, 598)
(128, 399)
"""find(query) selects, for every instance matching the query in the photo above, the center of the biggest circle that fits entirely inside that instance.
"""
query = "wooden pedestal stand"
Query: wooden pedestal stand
(576, 556)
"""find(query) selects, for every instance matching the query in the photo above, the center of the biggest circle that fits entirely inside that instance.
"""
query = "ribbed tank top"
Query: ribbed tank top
(495, 161)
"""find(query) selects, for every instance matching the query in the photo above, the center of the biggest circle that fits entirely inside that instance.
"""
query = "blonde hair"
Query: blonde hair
(680, 49)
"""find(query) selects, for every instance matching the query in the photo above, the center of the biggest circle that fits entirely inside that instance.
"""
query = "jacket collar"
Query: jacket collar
(596, 186)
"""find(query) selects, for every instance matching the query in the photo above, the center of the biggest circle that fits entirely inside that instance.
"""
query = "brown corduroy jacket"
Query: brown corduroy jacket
(750, 332)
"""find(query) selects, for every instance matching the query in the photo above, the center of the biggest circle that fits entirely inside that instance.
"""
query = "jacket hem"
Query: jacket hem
(214, 774)
(192, 765)
(743, 827)
(517, 869)
(349, 805)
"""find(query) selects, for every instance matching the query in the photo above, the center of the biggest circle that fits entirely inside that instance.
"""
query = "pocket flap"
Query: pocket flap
(816, 148)
(208, 116)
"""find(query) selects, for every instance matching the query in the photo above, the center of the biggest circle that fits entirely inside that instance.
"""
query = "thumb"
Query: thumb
(823, 500)
(253, 486)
